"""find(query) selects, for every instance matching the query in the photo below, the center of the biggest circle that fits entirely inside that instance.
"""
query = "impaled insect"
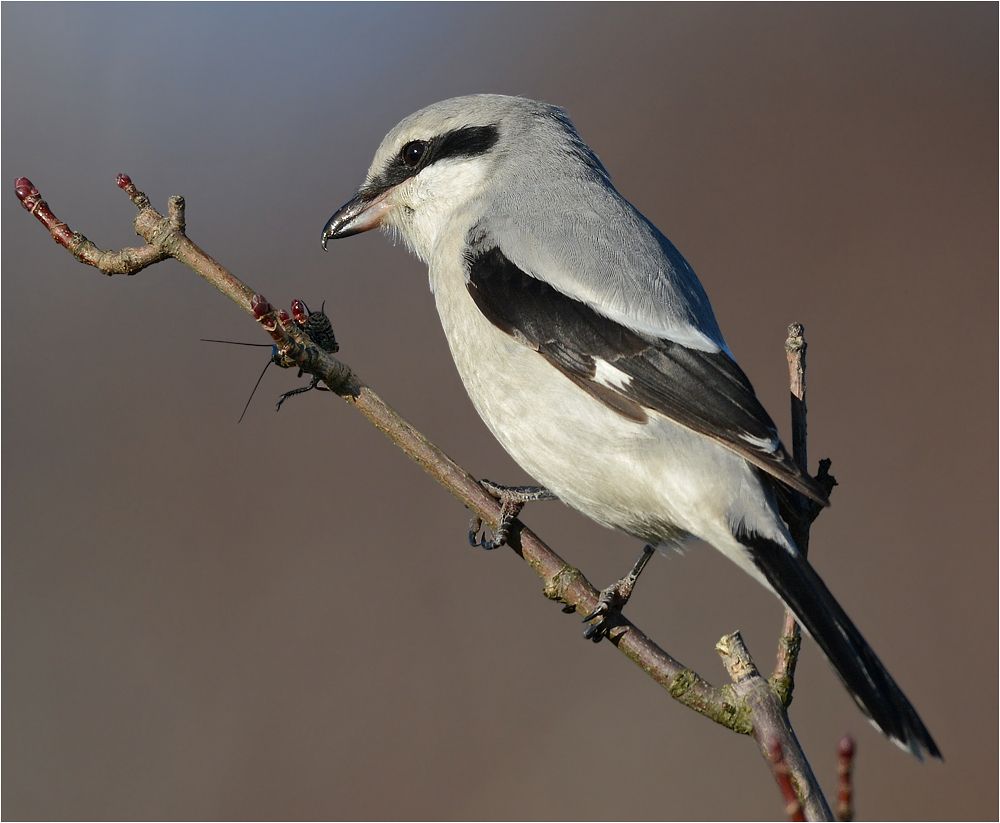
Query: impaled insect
(317, 328)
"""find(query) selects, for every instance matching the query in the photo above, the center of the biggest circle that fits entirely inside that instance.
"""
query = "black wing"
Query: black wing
(704, 391)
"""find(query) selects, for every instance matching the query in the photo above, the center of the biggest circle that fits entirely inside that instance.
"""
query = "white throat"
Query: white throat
(425, 204)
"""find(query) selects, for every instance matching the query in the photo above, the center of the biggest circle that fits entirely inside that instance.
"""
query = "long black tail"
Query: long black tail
(871, 686)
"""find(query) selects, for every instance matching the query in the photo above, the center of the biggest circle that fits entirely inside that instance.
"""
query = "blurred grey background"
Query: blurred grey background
(282, 618)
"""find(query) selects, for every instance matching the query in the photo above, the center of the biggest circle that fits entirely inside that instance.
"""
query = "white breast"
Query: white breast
(640, 477)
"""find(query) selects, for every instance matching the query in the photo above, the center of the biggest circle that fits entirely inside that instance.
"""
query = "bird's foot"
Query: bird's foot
(512, 500)
(612, 600)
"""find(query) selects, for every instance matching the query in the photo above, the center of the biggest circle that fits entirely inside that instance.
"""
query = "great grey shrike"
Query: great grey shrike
(590, 349)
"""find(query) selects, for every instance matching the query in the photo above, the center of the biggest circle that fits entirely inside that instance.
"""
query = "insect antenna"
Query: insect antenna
(269, 362)
(247, 406)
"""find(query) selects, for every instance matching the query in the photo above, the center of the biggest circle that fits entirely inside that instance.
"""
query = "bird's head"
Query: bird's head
(467, 152)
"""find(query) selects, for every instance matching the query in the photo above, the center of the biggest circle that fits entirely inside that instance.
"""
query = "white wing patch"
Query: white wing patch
(610, 376)
(766, 445)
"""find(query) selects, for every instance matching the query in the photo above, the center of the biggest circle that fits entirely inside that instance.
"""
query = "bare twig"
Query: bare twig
(795, 349)
(790, 640)
(769, 725)
(748, 707)
(845, 770)
(782, 774)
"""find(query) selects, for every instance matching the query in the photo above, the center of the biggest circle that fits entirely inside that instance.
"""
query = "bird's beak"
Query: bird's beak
(361, 213)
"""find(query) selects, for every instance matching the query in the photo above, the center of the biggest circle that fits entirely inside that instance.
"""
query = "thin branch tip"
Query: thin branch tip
(783, 775)
(845, 778)
(137, 197)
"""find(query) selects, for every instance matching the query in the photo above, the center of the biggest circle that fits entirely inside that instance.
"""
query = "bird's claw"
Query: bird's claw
(499, 535)
(610, 603)
(612, 600)
(512, 500)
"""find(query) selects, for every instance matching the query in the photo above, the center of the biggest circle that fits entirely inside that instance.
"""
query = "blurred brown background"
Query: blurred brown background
(282, 618)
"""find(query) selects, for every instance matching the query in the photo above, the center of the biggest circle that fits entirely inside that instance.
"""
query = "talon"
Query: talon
(512, 500)
(608, 606)
(474, 526)
(613, 599)
(489, 545)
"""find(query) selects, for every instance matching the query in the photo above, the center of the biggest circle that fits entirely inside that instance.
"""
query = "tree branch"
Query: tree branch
(771, 728)
(783, 776)
(790, 640)
(750, 706)
(845, 770)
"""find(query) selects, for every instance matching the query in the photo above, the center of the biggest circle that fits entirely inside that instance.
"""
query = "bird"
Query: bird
(590, 349)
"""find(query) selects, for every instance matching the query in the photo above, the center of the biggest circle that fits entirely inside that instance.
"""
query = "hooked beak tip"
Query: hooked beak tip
(361, 213)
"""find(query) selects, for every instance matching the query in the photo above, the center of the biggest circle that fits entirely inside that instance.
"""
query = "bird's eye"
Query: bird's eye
(412, 152)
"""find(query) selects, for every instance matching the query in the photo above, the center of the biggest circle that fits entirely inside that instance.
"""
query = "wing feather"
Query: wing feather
(631, 372)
